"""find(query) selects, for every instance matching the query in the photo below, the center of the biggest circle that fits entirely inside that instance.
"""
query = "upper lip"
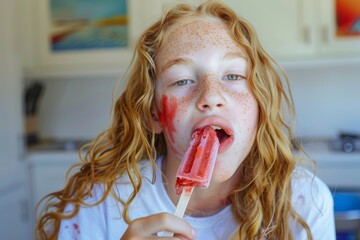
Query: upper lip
(214, 121)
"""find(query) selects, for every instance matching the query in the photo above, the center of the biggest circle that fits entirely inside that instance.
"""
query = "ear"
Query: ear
(155, 121)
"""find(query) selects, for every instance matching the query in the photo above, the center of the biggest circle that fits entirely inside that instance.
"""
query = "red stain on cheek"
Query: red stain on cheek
(167, 117)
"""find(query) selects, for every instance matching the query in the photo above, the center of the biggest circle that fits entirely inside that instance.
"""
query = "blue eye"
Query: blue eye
(183, 82)
(233, 77)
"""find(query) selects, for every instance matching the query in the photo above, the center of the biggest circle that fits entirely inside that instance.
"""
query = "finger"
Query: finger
(171, 223)
(153, 224)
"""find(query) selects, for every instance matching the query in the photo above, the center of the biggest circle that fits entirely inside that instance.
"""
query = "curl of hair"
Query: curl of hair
(262, 201)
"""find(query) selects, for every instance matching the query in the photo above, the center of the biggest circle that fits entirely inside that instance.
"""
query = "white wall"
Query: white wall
(75, 108)
(327, 101)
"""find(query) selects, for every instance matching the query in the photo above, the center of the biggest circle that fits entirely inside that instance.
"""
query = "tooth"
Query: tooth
(216, 127)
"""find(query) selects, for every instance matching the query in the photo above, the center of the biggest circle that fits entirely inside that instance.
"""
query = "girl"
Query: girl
(194, 67)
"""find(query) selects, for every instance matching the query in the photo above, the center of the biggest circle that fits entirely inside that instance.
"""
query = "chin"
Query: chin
(221, 176)
(224, 172)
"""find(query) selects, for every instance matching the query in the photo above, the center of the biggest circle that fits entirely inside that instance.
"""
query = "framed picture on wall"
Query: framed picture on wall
(340, 27)
(77, 25)
(347, 18)
(76, 32)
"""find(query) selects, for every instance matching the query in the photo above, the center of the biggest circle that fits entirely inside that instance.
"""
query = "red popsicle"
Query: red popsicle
(196, 168)
(198, 164)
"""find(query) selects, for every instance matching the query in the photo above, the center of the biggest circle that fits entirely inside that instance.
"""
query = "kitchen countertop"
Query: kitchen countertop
(337, 169)
(320, 151)
(52, 151)
(52, 157)
(317, 149)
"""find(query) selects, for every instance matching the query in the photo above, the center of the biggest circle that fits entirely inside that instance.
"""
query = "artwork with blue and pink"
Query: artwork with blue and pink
(88, 24)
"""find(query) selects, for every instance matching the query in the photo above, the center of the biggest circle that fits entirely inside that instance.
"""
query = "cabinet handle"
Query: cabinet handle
(21, 147)
(306, 34)
(24, 212)
(325, 34)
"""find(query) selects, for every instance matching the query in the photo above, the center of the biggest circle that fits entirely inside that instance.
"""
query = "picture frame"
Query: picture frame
(347, 14)
(45, 56)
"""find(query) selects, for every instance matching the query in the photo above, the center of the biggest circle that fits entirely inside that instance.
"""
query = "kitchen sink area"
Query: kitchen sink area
(338, 165)
(64, 145)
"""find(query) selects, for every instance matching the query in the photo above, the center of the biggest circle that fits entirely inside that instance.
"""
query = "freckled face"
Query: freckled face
(202, 81)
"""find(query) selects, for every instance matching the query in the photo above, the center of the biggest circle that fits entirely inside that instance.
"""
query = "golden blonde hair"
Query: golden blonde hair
(262, 201)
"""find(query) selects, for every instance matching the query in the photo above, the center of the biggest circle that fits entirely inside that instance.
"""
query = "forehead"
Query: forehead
(196, 34)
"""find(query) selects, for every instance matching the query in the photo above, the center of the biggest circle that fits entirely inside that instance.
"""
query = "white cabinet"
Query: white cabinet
(297, 33)
(14, 212)
(48, 173)
(13, 200)
(10, 92)
(300, 29)
(285, 28)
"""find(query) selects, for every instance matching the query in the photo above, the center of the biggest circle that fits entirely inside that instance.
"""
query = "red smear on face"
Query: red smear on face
(167, 117)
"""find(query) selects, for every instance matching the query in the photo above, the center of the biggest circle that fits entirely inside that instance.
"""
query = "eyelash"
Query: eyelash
(184, 82)
(238, 77)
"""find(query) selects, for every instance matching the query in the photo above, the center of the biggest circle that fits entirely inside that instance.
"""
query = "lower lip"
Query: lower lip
(226, 144)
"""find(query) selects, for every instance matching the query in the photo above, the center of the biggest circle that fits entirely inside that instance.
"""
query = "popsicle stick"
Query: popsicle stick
(183, 201)
(181, 206)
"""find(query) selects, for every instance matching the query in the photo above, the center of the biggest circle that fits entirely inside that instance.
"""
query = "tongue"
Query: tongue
(222, 136)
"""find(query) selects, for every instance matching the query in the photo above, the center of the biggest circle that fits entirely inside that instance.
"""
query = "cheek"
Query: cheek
(223, 170)
(248, 112)
(184, 107)
(248, 118)
(168, 114)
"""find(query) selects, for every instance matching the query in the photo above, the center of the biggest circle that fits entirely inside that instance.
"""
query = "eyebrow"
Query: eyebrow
(177, 61)
(232, 55)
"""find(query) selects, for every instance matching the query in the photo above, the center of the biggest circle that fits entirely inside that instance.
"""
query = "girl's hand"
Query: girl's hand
(148, 227)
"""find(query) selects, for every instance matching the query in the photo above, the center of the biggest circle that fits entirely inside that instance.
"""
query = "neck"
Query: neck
(203, 202)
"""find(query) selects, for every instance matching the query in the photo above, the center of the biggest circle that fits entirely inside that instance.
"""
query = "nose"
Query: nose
(211, 96)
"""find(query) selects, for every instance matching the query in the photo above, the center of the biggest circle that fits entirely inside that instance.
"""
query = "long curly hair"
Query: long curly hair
(262, 202)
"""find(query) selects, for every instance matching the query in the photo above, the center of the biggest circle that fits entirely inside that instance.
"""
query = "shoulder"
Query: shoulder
(123, 182)
(144, 167)
(313, 201)
(100, 218)
(306, 186)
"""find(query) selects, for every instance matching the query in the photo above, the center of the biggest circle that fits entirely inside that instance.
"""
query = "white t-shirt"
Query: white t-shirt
(104, 221)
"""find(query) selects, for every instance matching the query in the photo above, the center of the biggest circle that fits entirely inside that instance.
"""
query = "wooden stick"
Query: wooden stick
(181, 206)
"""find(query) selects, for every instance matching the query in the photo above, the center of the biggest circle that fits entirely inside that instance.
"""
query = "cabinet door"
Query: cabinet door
(47, 178)
(12, 181)
(10, 93)
(13, 214)
(285, 28)
(340, 26)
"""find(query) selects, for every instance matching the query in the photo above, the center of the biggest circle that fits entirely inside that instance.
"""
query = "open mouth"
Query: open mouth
(222, 135)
